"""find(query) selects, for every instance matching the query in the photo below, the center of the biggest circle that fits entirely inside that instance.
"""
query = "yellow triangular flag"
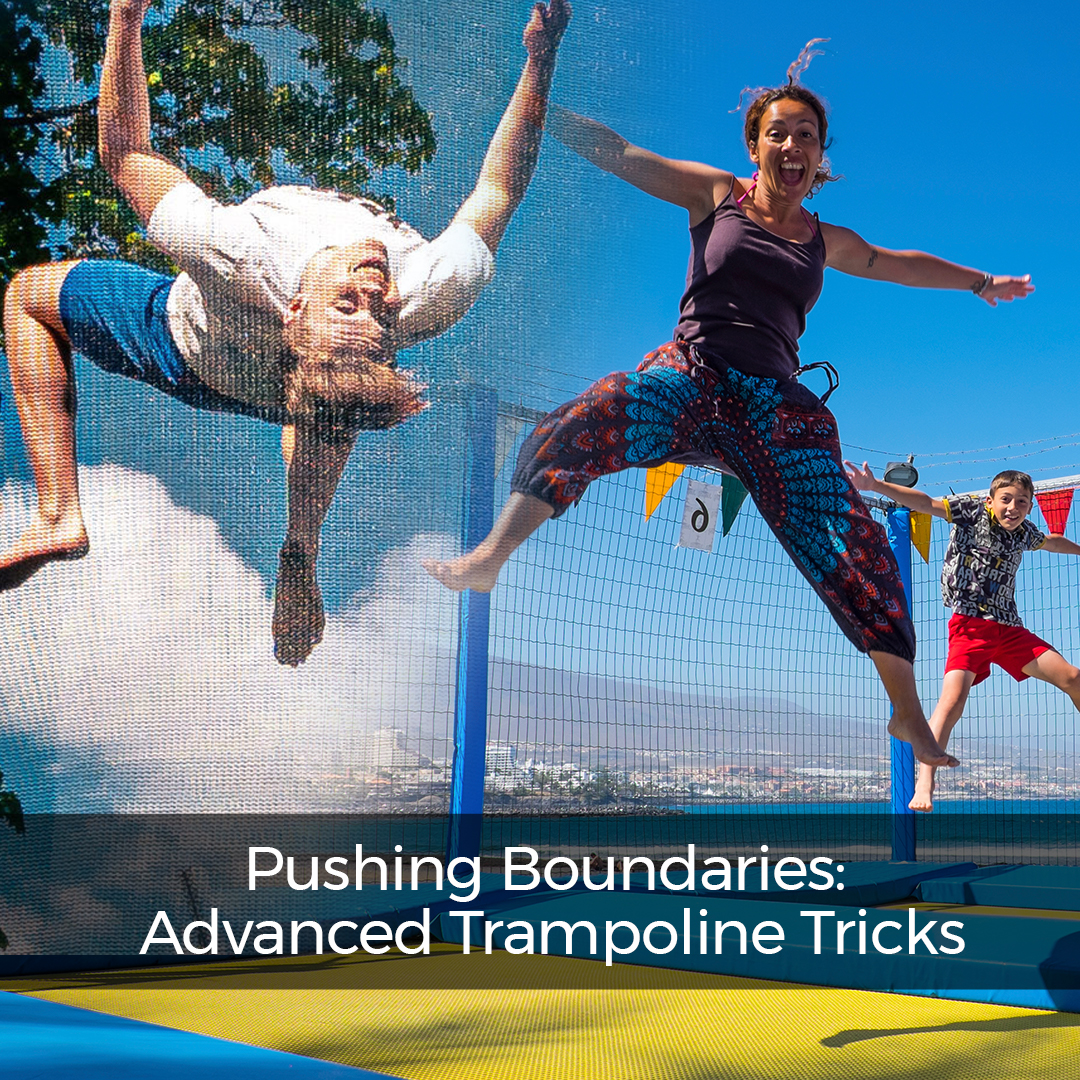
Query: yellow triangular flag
(658, 483)
(920, 534)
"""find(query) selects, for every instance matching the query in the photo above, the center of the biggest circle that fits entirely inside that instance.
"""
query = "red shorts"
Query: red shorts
(974, 644)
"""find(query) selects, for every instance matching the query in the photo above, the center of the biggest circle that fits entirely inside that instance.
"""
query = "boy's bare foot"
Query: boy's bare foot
(464, 572)
(916, 730)
(42, 543)
(923, 799)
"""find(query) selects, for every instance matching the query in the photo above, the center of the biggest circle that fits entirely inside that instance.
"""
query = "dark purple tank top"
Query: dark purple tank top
(748, 292)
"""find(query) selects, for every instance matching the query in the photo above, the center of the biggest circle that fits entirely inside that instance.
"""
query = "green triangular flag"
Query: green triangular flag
(732, 496)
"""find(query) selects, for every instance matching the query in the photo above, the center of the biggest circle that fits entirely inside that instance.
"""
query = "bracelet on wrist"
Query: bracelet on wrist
(980, 286)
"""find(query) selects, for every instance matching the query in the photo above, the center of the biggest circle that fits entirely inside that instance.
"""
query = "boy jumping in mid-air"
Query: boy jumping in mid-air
(978, 581)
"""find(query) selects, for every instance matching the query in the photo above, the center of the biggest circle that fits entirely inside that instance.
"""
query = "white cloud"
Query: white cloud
(153, 656)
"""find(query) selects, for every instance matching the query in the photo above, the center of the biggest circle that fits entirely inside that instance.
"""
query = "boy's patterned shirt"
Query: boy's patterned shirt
(979, 575)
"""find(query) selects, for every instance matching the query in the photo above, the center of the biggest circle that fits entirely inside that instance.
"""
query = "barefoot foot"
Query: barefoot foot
(916, 730)
(41, 544)
(922, 801)
(462, 573)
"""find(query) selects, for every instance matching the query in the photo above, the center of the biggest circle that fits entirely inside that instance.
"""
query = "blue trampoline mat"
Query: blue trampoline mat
(1054, 888)
(42, 1040)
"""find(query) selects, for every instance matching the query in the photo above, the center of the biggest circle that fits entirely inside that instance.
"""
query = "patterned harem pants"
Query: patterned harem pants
(776, 437)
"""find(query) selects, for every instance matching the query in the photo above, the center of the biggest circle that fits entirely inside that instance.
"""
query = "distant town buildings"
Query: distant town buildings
(388, 774)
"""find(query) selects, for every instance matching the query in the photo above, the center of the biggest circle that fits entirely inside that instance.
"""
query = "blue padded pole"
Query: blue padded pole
(898, 529)
(470, 709)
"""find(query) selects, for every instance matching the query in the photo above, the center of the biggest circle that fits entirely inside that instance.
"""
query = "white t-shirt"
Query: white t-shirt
(242, 264)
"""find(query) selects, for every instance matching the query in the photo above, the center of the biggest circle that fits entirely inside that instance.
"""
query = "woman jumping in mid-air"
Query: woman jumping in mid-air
(725, 391)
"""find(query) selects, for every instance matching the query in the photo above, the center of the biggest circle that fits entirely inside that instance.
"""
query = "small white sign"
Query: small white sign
(700, 514)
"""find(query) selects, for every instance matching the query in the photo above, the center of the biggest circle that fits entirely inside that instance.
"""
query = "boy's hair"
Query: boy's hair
(1012, 478)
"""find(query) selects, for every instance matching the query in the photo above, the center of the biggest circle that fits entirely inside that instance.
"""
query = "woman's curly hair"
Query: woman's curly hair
(792, 90)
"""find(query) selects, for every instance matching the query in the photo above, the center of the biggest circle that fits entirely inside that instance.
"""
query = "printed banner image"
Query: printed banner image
(430, 558)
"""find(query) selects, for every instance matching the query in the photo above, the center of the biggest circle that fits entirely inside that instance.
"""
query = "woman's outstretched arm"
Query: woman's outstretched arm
(690, 184)
(849, 253)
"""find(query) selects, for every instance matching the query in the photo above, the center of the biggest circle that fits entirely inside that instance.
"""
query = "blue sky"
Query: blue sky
(952, 128)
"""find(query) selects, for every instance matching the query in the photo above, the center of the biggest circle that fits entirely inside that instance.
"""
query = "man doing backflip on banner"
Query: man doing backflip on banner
(290, 308)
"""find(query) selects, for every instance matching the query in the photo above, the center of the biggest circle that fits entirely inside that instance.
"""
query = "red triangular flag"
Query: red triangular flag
(1055, 508)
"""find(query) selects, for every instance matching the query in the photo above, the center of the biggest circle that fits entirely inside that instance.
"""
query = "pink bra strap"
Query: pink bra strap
(813, 222)
(738, 201)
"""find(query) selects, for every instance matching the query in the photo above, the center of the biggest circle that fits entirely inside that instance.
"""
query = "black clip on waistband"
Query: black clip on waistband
(830, 371)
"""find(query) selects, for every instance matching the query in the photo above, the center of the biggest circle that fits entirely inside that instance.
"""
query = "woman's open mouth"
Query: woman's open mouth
(792, 172)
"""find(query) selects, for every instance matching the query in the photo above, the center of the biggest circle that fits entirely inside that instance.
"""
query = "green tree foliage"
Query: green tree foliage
(244, 93)
(11, 812)
(11, 808)
(27, 202)
(602, 789)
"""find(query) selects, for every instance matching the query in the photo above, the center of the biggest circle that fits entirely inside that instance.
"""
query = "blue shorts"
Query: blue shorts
(114, 315)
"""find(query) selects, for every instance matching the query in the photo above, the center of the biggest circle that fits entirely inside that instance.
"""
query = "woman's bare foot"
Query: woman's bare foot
(465, 572)
(479, 569)
(42, 543)
(915, 730)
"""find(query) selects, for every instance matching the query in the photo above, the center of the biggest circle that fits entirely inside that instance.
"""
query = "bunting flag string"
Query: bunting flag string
(1055, 507)
(660, 480)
